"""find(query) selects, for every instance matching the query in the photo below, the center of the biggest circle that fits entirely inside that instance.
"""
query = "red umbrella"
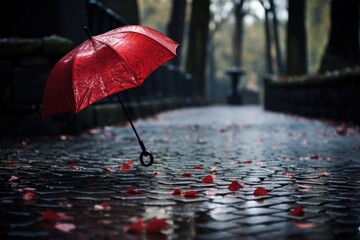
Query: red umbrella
(104, 65)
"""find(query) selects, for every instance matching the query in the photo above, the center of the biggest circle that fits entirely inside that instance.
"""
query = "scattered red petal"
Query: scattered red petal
(109, 170)
(176, 192)
(65, 227)
(305, 225)
(303, 186)
(289, 174)
(130, 190)
(342, 130)
(156, 225)
(213, 170)
(198, 167)
(53, 216)
(234, 186)
(10, 164)
(186, 174)
(102, 206)
(73, 166)
(315, 156)
(156, 173)
(13, 179)
(191, 193)
(125, 166)
(208, 179)
(324, 174)
(245, 161)
(298, 211)
(29, 196)
(137, 227)
(260, 191)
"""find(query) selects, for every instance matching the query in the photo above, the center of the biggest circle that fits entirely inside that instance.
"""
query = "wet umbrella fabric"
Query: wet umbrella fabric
(104, 65)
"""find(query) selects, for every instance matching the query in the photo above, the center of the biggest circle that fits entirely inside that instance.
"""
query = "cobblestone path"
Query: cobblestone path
(87, 187)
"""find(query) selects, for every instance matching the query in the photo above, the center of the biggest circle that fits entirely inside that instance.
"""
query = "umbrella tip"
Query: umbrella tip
(88, 34)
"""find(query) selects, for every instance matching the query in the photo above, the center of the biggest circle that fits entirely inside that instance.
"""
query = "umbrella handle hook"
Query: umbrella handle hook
(146, 153)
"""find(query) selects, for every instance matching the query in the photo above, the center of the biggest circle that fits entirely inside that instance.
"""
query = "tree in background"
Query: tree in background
(128, 9)
(296, 63)
(176, 26)
(343, 45)
(197, 48)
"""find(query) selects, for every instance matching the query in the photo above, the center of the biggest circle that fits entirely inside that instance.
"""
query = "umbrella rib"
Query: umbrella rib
(127, 68)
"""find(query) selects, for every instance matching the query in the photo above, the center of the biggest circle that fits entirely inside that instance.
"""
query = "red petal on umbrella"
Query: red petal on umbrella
(29, 196)
(324, 174)
(234, 186)
(130, 190)
(208, 179)
(10, 164)
(245, 161)
(198, 167)
(260, 191)
(52, 216)
(73, 166)
(298, 211)
(137, 227)
(156, 225)
(65, 227)
(191, 193)
(13, 179)
(176, 192)
(186, 174)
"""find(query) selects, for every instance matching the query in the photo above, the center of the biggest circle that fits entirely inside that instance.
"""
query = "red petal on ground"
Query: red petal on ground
(125, 166)
(102, 206)
(245, 161)
(29, 196)
(130, 162)
(52, 216)
(73, 166)
(315, 156)
(10, 164)
(260, 191)
(234, 186)
(13, 179)
(109, 170)
(298, 211)
(198, 167)
(176, 192)
(303, 186)
(213, 170)
(186, 174)
(324, 174)
(156, 173)
(191, 193)
(305, 225)
(289, 174)
(208, 179)
(130, 190)
(65, 227)
(137, 227)
(156, 225)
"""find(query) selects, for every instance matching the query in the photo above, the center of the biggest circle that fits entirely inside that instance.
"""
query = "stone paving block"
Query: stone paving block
(298, 161)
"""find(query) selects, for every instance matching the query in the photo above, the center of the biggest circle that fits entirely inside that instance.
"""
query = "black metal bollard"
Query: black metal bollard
(235, 73)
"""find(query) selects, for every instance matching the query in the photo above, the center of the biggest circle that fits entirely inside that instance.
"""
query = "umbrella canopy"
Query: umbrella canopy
(103, 65)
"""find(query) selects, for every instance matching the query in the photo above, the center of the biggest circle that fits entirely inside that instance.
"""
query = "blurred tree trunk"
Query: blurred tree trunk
(128, 9)
(343, 45)
(176, 26)
(296, 38)
(268, 57)
(238, 33)
(197, 49)
(279, 61)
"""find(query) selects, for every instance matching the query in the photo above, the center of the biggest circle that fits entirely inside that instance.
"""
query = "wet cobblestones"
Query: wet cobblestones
(300, 162)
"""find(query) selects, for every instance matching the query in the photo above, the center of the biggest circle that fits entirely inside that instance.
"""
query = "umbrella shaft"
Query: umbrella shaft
(143, 148)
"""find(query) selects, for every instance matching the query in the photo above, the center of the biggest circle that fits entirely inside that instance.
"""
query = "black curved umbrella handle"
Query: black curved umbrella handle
(146, 153)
